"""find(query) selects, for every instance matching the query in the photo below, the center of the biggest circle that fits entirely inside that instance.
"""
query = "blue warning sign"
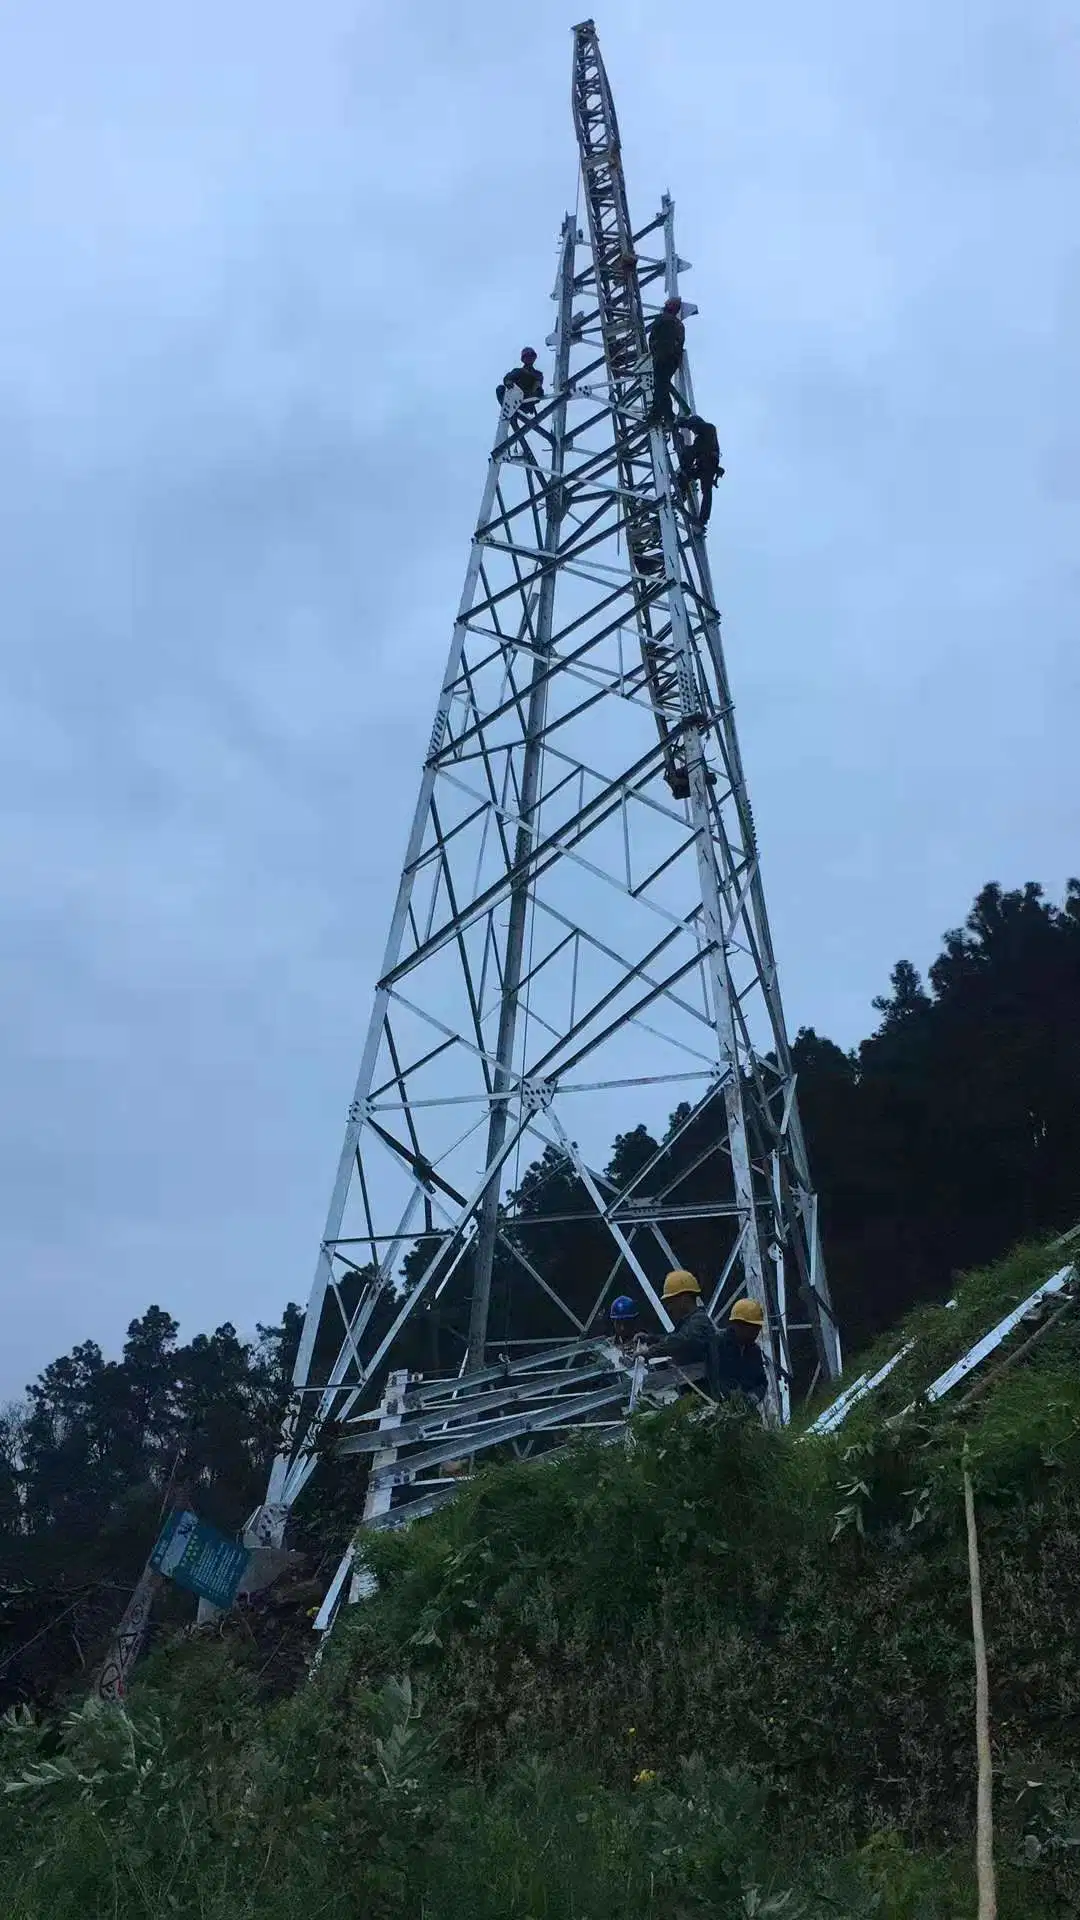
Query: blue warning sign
(200, 1558)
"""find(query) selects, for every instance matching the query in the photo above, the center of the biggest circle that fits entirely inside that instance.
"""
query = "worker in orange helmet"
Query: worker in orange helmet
(731, 1356)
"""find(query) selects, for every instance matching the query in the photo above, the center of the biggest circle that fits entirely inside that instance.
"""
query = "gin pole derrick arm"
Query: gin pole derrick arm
(612, 282)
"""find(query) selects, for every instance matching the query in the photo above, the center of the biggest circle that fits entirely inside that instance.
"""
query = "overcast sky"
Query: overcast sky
(261, 265)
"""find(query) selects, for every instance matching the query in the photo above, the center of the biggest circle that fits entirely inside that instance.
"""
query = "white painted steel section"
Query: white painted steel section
(835, 1415)
(953, 1375)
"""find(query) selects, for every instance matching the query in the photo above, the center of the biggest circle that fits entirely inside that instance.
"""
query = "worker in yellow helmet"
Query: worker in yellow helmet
(731, 1356)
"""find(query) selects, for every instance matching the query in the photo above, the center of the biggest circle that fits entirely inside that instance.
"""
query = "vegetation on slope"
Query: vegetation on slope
(721, 1672)
(949, 1134)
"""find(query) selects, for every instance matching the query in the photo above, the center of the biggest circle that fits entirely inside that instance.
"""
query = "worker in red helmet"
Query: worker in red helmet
(527, 378)
(667, 338)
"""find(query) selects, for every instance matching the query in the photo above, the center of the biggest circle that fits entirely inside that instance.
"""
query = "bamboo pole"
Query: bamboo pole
(984, 1832)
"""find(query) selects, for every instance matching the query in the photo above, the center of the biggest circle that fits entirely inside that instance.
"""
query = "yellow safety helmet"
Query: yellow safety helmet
(749, 1311)
(680, 1282)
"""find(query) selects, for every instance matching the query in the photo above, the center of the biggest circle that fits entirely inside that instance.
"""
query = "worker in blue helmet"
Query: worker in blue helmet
(623, 1315)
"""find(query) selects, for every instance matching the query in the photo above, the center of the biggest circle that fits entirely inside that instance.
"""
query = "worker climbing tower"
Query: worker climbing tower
(579, 942)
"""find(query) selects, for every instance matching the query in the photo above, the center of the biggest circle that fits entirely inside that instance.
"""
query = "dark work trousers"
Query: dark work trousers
(663, 373)
(705, 482)
(706, 479)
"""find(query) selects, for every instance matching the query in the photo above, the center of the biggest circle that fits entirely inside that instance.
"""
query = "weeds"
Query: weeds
(721, 1673)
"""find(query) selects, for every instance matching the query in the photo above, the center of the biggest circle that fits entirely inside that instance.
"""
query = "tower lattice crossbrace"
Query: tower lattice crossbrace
(579, 941)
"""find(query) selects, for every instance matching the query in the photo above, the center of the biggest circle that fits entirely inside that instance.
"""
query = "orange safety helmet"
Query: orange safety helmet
(679, 1281)
(749, 1312)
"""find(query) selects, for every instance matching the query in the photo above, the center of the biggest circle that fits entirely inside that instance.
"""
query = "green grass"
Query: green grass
(941, 1334)
(721, 1672)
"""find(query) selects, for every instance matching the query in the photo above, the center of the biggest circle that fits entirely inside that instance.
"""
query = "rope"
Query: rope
(984, 1831)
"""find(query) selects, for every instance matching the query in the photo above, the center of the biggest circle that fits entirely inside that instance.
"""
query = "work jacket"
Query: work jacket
(729, 1367)
(529, 379)
(667, 337)
(740, 1369)
(703, 454)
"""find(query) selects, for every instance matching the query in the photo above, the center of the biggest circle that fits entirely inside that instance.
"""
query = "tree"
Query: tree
(954, 1131)
(908, 1001)
(949, 1133)
(12, 1425)
(67, 1442)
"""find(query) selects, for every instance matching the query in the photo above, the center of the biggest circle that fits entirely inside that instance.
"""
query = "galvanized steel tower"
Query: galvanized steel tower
(579, 935)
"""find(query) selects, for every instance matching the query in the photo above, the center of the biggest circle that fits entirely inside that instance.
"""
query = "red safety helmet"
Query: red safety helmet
(672, 305)
(528, 353)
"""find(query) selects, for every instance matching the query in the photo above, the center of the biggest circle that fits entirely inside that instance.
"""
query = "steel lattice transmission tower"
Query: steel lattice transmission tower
(580, 924)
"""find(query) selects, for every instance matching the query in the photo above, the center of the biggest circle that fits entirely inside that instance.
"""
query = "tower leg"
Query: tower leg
(520, 895)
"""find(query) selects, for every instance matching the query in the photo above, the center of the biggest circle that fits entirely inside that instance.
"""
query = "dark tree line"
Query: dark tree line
(949, 1134)
(93, 1455)
(954, 1130)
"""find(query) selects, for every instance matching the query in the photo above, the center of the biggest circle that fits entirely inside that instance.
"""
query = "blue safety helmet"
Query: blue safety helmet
(623, 1308)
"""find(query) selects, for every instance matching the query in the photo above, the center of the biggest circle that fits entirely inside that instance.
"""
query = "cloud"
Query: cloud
(262, 269)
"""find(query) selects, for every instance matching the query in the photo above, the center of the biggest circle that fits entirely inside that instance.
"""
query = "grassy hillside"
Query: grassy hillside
(722, 1672)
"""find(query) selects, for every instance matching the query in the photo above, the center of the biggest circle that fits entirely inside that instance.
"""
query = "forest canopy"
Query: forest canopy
(950, 1134)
